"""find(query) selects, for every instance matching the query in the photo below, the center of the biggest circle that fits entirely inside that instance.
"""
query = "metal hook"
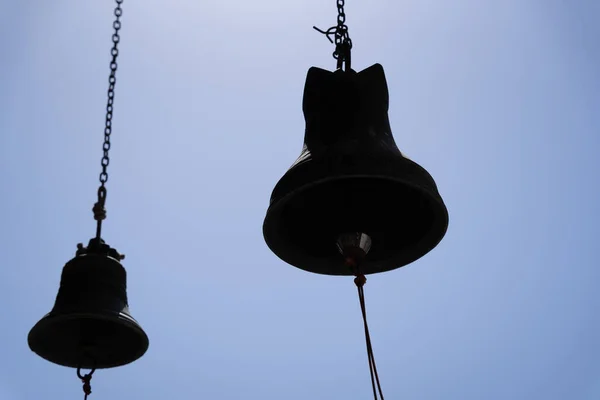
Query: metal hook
(327, 33)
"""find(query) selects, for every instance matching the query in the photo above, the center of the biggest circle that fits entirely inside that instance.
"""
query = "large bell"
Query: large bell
(351, 178)
(90, 325)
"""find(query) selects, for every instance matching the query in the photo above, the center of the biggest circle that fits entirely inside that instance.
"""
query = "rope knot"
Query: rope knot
(360, 280)
(99, 211)
(87, 387)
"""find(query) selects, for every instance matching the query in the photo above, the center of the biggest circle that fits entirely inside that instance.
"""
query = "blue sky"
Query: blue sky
(499, 101)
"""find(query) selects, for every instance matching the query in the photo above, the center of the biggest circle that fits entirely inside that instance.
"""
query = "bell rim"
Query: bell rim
(433, 240)
(51, 317)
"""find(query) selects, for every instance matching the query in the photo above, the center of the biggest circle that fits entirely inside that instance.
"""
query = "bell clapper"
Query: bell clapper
(354, 247)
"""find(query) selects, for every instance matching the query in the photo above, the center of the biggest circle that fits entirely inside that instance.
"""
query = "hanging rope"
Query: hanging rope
(87, 387)
(360, 281)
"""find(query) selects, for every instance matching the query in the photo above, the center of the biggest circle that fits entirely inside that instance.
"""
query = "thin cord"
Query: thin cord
(360, 281)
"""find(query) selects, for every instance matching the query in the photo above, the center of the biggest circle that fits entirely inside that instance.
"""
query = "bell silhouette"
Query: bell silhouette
(90, 325)
(351, 178)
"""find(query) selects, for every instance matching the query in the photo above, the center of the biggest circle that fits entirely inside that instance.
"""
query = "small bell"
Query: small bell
(90, 325)
(351, 177)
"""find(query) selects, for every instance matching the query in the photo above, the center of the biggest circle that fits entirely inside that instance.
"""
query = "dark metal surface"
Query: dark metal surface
(351, 177)
(354, 240)
(90, 325)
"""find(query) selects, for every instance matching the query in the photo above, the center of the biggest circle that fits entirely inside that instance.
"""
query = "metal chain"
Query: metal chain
(341, 32)
(99, 211)
(343, 43)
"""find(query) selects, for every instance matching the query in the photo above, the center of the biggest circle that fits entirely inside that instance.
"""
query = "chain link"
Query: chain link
(341, 32)
(112, 80)
(99, 211)
(343, 43)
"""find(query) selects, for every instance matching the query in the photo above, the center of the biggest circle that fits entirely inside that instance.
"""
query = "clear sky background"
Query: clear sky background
(498, 100)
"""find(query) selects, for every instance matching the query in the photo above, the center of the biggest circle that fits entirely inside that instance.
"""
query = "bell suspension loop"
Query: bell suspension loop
(354, 248)
(343, 43)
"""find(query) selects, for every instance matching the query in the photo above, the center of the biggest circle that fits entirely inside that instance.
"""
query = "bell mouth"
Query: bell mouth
(88, 340)
(403, 220)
